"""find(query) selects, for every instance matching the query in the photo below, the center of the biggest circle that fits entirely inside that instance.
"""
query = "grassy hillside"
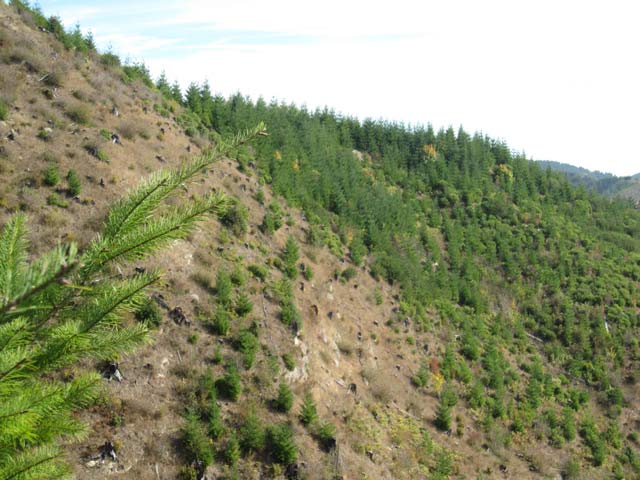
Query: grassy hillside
(603, 183)
(378, 302)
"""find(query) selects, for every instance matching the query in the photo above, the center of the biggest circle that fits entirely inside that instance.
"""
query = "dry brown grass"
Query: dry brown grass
(79, 112)
(128, 129)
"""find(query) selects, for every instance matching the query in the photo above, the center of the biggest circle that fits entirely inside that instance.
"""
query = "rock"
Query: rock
(112, 372)
(178, 316)
(108, 452)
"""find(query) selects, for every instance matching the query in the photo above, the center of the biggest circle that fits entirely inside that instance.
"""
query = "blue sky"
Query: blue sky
(556, 79)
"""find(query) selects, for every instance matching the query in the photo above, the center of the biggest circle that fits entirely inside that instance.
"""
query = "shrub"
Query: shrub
(231, 452)
(224, 287)
(79, 113)
(4, 110)
(229, 386)
(238, 277)
(215, 426)
(258, 271)
(148, 313)
(289, 314)
(55, 200)
(221, 322)
(421, 378)
(307, 273)
(289, 361)
(326, 436)
(443, 415)
(308, 412)
(282, 449)
(290, 256)
(73, 180)
(252, 434)
(195, 441)
(51, 176)
(272, 220)
(247, 343)
(110, 59)
(236, 219)
(284, 401)
(243, 305)
(348, 274)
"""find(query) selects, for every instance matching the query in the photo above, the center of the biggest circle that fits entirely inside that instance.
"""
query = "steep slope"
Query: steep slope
(400, 309)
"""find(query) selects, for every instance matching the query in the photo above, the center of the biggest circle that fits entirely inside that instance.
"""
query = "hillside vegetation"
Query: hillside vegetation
(374, 300)
(603, 183)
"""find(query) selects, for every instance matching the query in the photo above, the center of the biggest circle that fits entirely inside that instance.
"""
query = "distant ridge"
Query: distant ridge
(603, 183)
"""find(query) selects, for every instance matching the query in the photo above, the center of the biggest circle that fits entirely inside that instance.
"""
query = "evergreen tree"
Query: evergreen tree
(192, 98)
(308, 412)
(290, 257)
(232, 450)
(65, 307)
(176, 92)
(163, 85)
(284, 400)
(252, 434)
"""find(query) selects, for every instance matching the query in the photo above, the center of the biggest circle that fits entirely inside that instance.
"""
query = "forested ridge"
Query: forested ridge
(458, 219)
(514, 292)
(510, 255)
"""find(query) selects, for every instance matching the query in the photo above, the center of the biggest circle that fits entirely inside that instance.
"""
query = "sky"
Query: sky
(558, 80)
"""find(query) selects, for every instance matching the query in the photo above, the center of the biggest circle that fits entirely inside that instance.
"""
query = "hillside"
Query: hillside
(603, 183)
(451, 310)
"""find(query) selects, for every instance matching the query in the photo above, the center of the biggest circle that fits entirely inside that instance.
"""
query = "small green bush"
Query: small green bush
(243, 305)
(55, 200)
(149, 313)
(272, 220)
(284, 401)
(109, 59)
(308, 412)
(4, 110)
(73, 180)
(289, 361)
(348, 274)
(421, 378)
(307, 273)
(290, 256)
(195, 440)
(230, 386)
(247, 343)
(231, 452)
(238, 277)
(281, 446)
(51, 175)
(213, 415)
(252, 434)
(258, 271)
(224, 288)
(221, 322)
(290, 314)
(326, 436)
(236, 219)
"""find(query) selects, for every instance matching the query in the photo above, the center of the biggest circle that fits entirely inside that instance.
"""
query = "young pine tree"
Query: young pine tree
(64, 308)
(290, 256)
(284, 400)
(308, 412)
